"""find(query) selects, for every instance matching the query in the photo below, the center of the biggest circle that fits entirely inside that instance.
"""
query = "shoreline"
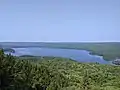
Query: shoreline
(91, 52)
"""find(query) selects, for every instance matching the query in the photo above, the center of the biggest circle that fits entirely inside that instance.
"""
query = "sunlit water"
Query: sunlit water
(78, 55)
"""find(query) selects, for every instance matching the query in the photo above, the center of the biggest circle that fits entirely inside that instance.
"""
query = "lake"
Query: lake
(78, 55)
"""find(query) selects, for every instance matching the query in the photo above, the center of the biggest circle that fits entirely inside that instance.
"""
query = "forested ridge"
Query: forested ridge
(19, 73)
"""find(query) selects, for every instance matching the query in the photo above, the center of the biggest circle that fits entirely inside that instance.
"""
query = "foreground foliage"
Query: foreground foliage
(55, 74)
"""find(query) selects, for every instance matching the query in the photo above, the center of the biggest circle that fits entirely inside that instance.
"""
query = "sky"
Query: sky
(59, 20)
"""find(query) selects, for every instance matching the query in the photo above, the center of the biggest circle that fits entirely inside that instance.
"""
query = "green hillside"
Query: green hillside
(50, 73)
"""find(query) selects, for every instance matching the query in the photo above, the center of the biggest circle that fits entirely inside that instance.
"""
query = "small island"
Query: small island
(27, 56)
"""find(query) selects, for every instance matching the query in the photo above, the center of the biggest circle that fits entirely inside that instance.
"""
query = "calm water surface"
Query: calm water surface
(78, 55)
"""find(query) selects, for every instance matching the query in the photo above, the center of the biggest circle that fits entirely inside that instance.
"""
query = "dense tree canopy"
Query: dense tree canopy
(20, 73)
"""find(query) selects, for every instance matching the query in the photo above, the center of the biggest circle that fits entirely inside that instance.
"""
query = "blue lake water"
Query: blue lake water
(78, 55)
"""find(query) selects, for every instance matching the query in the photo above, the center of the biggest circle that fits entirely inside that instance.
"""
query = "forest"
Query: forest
(52, 73)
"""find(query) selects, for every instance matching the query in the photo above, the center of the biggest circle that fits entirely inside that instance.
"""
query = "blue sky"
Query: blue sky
(59, 20)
